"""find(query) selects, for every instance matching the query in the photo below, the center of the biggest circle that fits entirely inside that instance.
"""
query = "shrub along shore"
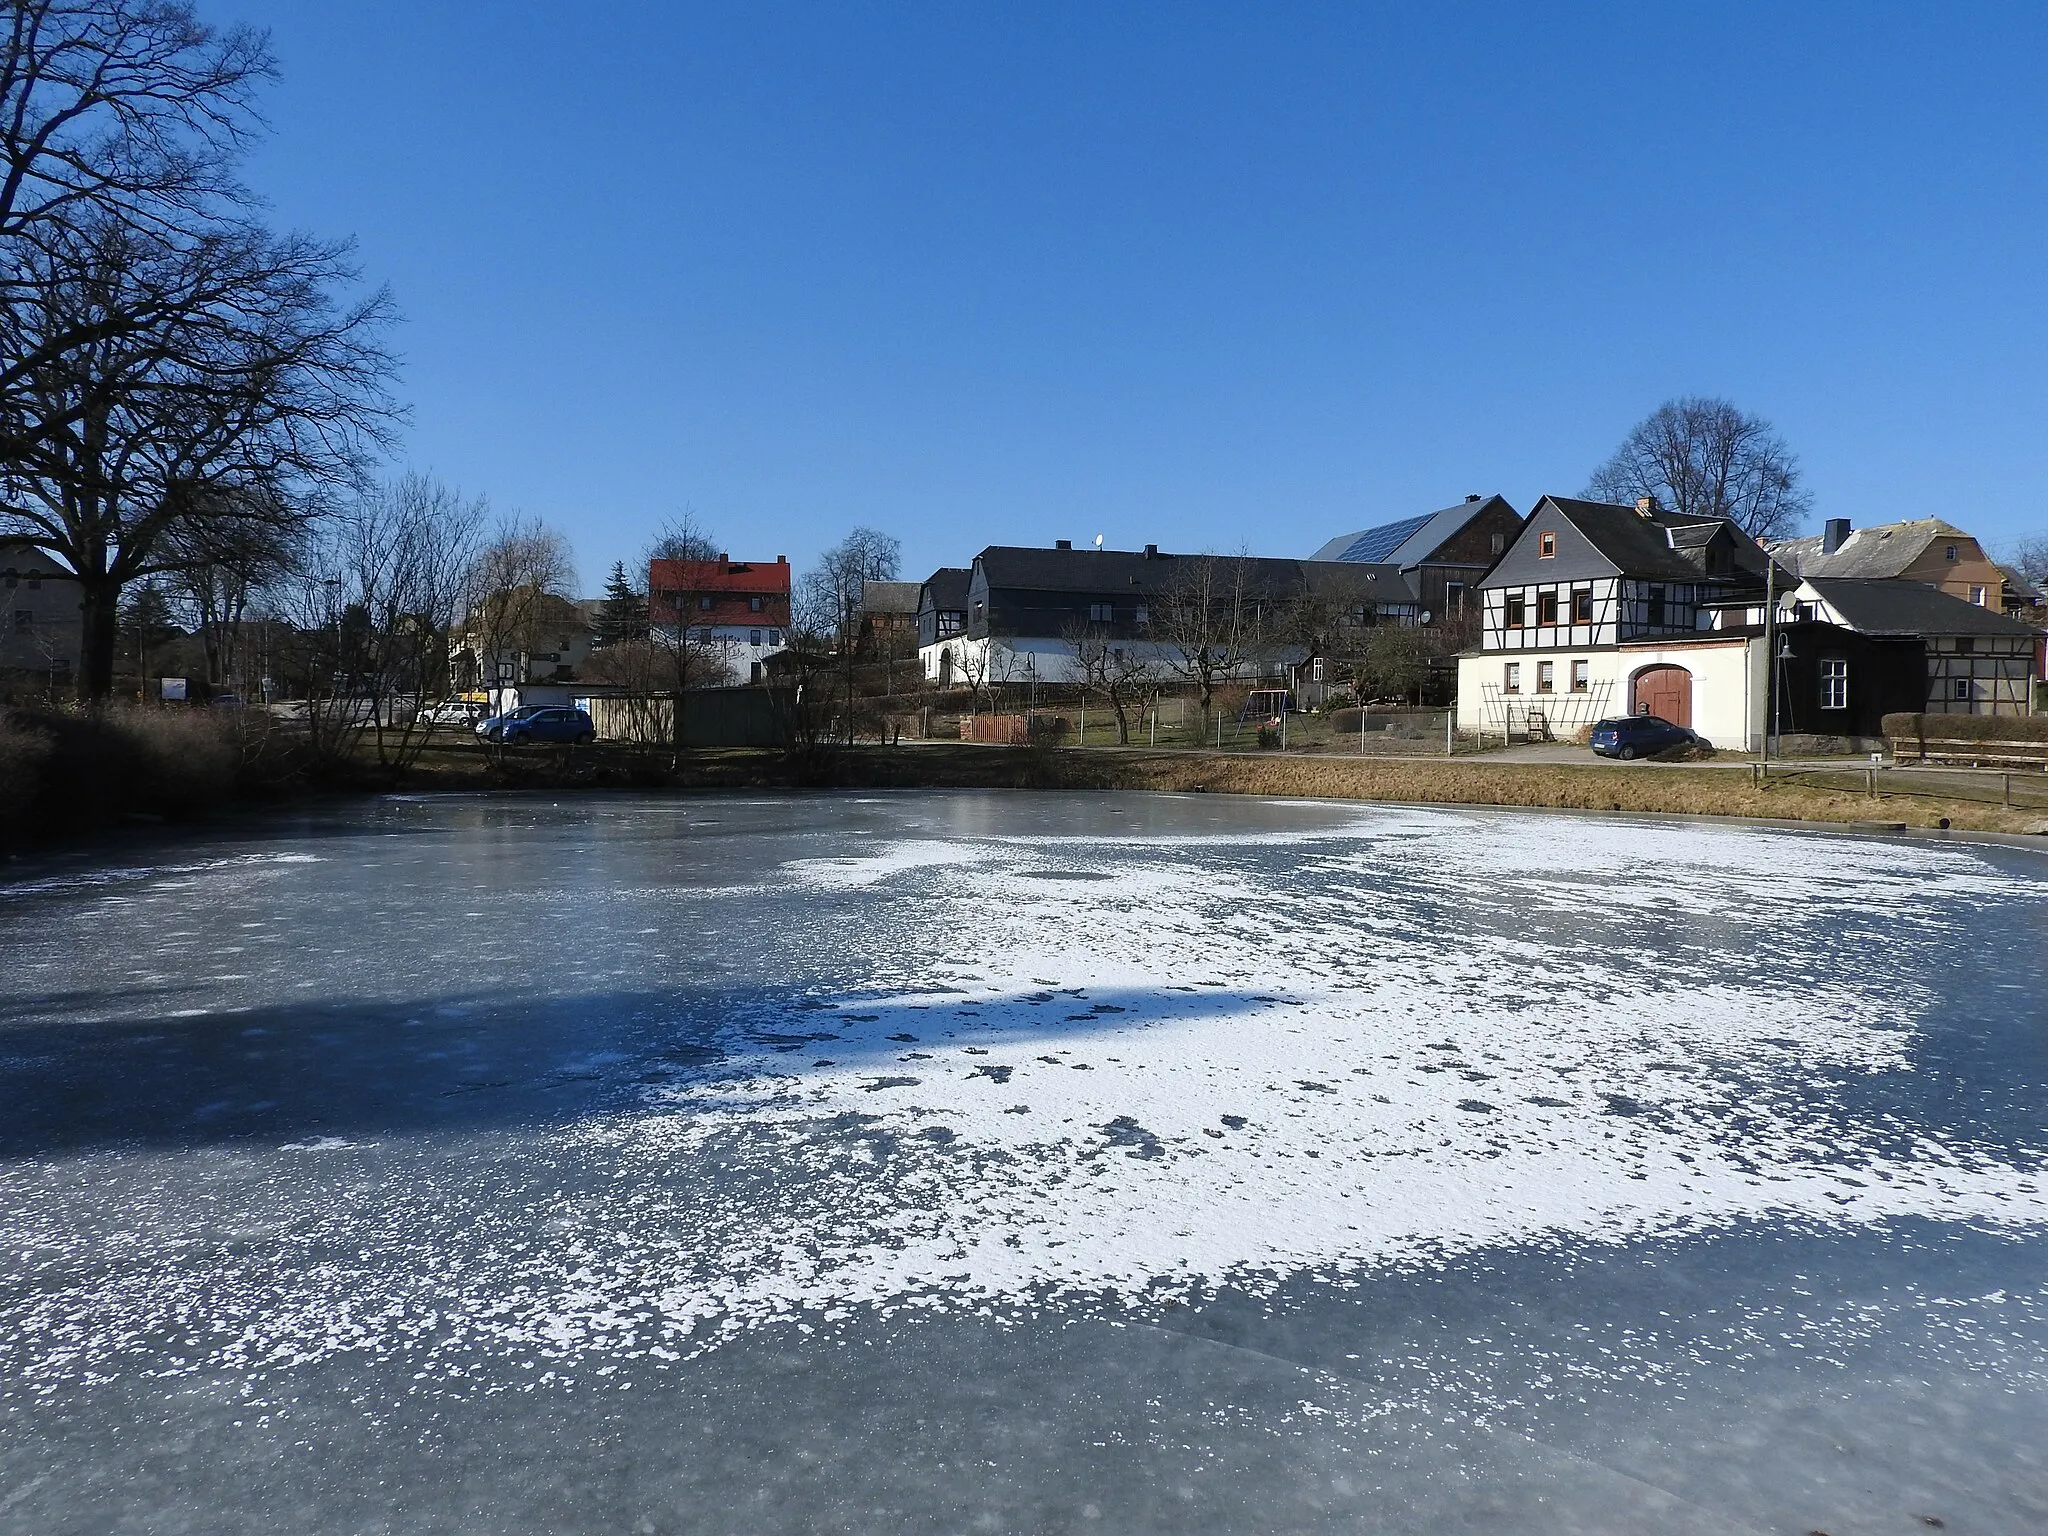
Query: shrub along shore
(66, 774)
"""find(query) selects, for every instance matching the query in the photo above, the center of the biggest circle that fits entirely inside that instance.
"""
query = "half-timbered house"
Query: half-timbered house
(1599, 609)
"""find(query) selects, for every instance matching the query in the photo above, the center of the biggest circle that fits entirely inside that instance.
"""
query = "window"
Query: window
(1977, 596)
(1498, 543)
(1511, 678)
(1582, 606)
(1546, 546)
(753, 637)
(1656, 605)
(35, 581)
(775, 637)
(12, 579)
(24, 621)
(703, 637)
(1101, 613)
(1965, 645)
(1546, 608)
(1141, 615)
(1454, 597)
(1518, 611)
(1546, 677)
(1949, 552)
(1834, 683)
(754, 605)
(1580, 682)
(704, 603)
(1962, 689)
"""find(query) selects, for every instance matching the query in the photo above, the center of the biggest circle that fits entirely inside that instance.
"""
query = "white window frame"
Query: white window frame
(1834, 682)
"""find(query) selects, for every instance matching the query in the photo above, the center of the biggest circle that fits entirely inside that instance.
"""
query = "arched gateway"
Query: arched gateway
(1664, 691)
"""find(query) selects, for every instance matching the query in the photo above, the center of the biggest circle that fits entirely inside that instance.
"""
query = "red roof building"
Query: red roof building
(718, 594)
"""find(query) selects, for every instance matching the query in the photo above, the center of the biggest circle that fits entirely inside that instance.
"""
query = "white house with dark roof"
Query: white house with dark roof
(1599, 609)
(1979, 662)
(1024, 607)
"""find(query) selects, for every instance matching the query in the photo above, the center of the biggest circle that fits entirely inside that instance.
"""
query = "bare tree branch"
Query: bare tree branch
(1705, 458)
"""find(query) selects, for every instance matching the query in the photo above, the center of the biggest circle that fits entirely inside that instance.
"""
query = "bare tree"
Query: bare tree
(830, 595)
(516, 589)
(390, 571)
(1706, 458)
(683, 537)
(1209, 622)
(2030, 559)
(220, 562)
(1118, 670)
(254, 390)
(132, 108)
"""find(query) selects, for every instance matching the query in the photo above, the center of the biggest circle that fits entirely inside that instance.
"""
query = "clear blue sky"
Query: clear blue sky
(1179, 273)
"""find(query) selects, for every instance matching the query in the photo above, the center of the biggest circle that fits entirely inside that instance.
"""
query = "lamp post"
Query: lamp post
(333, 585)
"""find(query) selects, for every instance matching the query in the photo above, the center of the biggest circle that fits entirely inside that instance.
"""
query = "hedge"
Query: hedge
(1905, 727)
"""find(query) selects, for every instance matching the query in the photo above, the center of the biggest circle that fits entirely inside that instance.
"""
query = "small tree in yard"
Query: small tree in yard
(1208, 622)
(1114, 670)
(1393, 662)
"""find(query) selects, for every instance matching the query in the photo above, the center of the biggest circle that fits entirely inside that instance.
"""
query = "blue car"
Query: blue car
(537, 723)
(1634, 736)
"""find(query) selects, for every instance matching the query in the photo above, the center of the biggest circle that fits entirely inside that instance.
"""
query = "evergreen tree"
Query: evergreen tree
(623, 613)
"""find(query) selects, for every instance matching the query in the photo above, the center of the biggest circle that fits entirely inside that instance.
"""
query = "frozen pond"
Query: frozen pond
(1022, 1163)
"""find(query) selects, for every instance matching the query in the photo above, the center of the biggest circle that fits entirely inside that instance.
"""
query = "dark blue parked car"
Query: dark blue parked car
(539, 722)
(1634, 736)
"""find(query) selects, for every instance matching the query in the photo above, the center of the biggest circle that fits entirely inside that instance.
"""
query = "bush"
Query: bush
(1269, 738)
(1966, 727)
(61, 770)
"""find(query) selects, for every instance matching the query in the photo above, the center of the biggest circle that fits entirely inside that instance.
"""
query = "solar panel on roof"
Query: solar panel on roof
(1375, 544)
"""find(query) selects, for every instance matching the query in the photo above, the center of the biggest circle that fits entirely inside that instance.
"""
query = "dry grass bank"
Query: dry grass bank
(1650, 790)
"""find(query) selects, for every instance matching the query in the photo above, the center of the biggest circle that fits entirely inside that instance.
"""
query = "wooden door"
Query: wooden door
(1665, 692)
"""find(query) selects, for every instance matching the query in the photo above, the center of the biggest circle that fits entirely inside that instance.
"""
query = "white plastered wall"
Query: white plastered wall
(1727, 686)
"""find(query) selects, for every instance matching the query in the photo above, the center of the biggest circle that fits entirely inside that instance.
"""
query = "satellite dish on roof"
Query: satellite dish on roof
(1098, 541)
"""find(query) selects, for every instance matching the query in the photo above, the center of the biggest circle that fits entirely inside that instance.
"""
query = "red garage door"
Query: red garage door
(1665, 692)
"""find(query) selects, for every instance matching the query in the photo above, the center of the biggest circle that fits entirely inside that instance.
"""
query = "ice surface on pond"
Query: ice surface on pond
(954, 1057)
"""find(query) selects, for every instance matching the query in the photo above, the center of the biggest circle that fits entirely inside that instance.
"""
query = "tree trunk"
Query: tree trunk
(99, 618)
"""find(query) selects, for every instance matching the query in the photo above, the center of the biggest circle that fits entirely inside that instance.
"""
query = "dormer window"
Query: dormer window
(1546, 546)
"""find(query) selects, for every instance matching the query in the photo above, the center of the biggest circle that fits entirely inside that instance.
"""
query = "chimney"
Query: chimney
(1062, 543)
(1643, 506)
(1151, 551)
(782, 559)
(1834, 534)
(1473, 497)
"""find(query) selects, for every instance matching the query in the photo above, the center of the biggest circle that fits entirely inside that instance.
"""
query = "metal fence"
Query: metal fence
(2018, 789)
